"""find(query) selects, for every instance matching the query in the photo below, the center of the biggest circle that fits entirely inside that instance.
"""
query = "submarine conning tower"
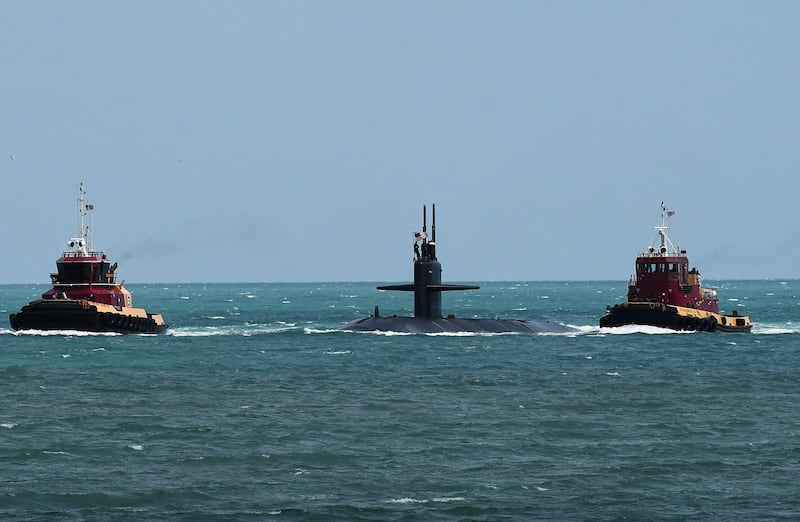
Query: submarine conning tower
(427, 285)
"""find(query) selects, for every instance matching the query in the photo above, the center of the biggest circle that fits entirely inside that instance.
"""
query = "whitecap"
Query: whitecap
(8, 425)
(763, 329)
(136, 447)
(539, 488)
(343, 352)
(71, 333)
(406, 500)
(363, 332)
(612, 374)
(456, 334)
(309, 330)
(581, 330)
(641, 329)
(448, 499)
(213, 331)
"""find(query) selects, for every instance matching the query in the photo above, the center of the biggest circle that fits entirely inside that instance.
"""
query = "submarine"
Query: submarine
(428, 288)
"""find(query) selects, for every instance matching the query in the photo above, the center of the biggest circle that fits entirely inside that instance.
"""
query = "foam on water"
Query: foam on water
(629, 329)
(216, 331)
(51, 333)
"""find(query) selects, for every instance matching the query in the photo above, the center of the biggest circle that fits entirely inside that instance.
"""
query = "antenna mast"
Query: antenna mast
(433, 222)
(83, 211)
(662, 230)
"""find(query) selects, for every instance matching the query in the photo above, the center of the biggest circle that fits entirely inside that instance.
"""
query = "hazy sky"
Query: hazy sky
(297, 141)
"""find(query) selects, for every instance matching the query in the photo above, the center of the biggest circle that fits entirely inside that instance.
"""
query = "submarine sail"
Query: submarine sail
(428, 287)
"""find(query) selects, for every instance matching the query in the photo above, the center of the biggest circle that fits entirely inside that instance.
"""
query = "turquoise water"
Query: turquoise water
(255, 407)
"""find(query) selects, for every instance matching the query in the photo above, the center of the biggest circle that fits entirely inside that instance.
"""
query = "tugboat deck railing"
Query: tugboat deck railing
(87, 283)
(661, 255)
(67, 255)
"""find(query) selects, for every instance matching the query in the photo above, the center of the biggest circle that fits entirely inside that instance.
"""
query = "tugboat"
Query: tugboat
(664, 292)
(428, 288)
(85, 295)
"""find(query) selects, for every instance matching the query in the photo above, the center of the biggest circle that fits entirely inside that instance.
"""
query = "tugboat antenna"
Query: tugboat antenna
(85, 232)
(80, 211)
(662, 230)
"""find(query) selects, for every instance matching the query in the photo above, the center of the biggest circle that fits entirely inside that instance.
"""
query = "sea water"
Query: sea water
(256, 407)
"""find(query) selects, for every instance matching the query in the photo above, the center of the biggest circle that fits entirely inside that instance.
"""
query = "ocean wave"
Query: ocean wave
(640, 329)
(241, 331)
(310, 330)
(470, 334)
(775, 329)
(410, 500)
(45, 333)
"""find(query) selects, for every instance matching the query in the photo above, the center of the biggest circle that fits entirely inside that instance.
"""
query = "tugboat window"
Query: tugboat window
(73, 272)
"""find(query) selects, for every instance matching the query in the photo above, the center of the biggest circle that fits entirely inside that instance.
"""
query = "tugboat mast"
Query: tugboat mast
(662, 231)
(85, 233)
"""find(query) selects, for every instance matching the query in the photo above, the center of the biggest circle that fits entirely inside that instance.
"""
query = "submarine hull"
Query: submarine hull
(85, 316)
(424, 325)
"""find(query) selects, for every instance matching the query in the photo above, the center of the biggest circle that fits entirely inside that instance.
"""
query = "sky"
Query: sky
(297, 141)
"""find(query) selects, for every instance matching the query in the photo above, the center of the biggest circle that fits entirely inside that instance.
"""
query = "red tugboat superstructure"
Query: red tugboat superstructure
(85, 295)
(664, 292)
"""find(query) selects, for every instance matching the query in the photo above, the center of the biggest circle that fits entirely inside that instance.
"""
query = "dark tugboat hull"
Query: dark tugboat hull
(673, 317)
(85, 316)
(422, 325)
